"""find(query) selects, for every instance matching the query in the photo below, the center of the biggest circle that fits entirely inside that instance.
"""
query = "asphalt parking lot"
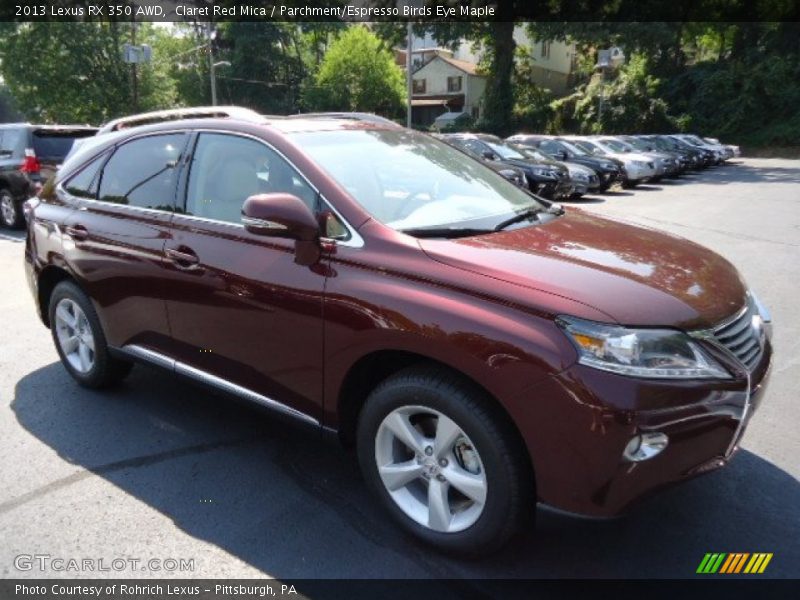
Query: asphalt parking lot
(159, 468)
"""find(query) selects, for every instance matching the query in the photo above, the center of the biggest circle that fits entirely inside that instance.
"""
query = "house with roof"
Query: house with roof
(448, 80)
(441, 83)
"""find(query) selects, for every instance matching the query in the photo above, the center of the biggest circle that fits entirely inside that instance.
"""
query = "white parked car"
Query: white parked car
(638, 167)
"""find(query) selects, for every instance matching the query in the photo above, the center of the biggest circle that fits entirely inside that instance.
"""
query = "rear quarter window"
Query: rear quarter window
(10, 142)
(53, 145)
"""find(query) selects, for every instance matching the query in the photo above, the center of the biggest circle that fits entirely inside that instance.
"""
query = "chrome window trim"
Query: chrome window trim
(355, 241)
(181, 368)
(114, 147)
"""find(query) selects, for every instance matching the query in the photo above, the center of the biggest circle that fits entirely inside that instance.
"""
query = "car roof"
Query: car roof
(351, 116)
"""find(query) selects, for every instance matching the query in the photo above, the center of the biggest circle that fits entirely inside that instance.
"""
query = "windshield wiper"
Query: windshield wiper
(444, 232)
(528, 213)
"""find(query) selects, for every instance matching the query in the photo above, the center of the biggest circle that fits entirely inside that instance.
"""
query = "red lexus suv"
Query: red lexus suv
(481, 348)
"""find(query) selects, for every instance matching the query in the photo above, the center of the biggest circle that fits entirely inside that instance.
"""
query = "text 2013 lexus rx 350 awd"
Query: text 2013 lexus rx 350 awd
(481, 348)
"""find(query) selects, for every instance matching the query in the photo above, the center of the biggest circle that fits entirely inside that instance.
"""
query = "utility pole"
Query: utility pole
(409, 75)
(211, 66)
(134, 75)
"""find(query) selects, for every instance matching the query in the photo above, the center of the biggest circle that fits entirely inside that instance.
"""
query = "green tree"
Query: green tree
(73, 72)
(357, 73)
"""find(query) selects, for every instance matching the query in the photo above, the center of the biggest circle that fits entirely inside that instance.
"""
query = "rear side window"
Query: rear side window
(53, 145)
(10, 141)
(84, 184)
(143, 172)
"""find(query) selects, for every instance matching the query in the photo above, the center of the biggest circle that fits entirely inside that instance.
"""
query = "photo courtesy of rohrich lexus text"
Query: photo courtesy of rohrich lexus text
(399, 299)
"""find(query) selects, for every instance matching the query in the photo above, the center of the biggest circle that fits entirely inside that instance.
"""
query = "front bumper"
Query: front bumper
(591, 415)
(551, 188)
(638, 173)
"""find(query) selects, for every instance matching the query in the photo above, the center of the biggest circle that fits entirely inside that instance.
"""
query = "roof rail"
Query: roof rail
(195, 112)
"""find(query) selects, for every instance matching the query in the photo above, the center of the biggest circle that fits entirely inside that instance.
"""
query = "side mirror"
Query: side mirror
(488, 155)
(562, 155)
(284, 216)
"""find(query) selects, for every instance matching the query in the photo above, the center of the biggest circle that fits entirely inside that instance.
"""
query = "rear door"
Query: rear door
(114, 241)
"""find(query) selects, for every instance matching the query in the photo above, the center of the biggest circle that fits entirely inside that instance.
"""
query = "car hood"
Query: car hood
(635, 275)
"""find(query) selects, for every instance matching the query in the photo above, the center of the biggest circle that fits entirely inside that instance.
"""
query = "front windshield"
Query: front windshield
(531, 153)
(408, 180)
(503, 150)
(617, 146)
(639, 144)
(694, 139)
(573, 148)
(590, 147)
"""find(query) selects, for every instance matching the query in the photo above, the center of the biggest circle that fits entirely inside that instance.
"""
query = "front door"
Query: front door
(240, 309)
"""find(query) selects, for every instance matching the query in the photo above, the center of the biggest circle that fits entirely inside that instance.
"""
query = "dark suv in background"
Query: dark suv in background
(547, 178)
(29, 154)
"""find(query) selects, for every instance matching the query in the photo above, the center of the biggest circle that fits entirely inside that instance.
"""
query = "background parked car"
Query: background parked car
(636, 168)
(584, 179)
(545, 177)
(608, 170)
(688, 159)
(664, 166)
(511, 173)
(29, 154)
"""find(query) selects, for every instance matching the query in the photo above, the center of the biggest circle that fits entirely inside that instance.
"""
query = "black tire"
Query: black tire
(106, 369)
(628, 184)
(10, 211)
(510, 498)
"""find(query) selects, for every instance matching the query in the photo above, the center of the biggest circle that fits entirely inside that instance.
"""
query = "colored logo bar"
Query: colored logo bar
(734, 562)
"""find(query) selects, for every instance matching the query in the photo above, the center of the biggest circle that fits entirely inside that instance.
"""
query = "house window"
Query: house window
(454, 84)
(418, 86)
(545, 49)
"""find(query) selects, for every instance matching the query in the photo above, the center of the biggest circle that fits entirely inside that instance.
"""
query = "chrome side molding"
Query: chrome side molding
(161, 360)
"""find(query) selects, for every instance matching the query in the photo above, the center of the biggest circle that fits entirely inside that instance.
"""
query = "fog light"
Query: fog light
(645, 446)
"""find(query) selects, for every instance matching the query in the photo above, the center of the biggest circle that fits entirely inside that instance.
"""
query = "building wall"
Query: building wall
(436, 73)
(559, 59)
(476, 87)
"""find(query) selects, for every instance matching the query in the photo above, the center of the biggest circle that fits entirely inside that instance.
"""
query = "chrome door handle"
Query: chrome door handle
(76, 232)
(180, 256)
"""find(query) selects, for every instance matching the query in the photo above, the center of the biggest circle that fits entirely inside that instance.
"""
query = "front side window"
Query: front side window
(454, 84)
(408, 180)
(143, 172)
(418, 86)
(228, 169)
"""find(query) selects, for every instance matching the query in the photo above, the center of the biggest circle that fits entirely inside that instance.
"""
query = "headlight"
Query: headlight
(609, 166)
(543, 172)
(654, 353)
(763, 312)
(579, 176)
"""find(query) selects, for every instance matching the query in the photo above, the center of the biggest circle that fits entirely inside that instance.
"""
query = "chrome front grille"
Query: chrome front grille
(742, 335)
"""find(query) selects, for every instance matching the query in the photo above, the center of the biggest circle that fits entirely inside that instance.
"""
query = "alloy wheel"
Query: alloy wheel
(431, 469)
(74, 335)
(7, 209)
